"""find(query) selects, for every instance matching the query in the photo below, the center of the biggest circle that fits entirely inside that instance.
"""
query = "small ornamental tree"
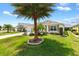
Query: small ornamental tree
(41, 27)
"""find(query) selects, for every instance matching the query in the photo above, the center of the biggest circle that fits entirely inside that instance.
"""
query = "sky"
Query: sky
(67, 13)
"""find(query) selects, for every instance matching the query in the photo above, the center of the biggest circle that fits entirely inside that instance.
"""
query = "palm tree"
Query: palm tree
(33, 11)
(7, 27)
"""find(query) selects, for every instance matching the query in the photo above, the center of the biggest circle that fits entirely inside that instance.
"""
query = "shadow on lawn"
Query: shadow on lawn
(47, 48)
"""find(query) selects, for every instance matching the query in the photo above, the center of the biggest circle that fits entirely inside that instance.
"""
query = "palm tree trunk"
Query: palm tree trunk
(35, 29)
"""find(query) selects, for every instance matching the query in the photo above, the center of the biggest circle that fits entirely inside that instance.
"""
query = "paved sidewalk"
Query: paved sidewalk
(10, 35)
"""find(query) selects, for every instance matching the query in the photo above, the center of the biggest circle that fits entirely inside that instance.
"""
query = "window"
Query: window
(53, 28)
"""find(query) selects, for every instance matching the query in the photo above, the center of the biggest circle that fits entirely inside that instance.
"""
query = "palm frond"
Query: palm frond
(29, 10)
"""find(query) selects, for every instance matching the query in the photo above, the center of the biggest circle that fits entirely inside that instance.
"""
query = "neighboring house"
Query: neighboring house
(28, 28)
(76, 28)
(20, 27)
(50, 27)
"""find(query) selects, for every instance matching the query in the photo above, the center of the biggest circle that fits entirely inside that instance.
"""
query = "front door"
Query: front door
(61, 31)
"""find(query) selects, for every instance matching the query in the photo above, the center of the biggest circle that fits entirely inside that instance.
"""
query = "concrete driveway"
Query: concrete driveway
(11, 35)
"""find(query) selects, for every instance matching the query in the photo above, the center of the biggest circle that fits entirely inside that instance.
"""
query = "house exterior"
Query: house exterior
(53, 26)
(50, 27)
(76, 28)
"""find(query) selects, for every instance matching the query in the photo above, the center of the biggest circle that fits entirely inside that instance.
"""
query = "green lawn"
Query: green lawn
(6, 33)
(54, 45)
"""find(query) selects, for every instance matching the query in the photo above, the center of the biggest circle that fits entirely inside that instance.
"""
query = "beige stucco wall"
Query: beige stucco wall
(57, 27)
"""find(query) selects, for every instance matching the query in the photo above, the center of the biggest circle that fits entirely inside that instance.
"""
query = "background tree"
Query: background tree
(0, 27)
(8, 27)
(34, 11)
(20, 28)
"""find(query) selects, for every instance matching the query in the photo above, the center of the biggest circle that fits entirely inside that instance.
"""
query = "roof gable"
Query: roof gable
(49, 22)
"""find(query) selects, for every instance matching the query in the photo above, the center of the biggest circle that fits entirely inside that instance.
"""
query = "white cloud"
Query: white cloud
(8, 13)
(63, 8)
(64, 4)
(77, 4)
(70, 21)
(73, 20)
